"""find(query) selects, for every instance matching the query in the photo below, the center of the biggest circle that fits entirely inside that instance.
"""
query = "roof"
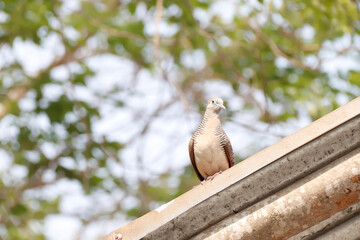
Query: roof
(305, 185)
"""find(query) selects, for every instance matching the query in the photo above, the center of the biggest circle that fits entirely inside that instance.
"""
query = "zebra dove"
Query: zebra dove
(210, 148)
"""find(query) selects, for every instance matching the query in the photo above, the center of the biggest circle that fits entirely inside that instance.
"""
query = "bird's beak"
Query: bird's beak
(222, 106)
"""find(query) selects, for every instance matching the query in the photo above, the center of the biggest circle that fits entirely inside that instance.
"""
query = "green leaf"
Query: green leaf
(19, 209)
(355, 78)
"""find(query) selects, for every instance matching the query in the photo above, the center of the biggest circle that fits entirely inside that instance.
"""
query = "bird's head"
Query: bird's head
(215, 104)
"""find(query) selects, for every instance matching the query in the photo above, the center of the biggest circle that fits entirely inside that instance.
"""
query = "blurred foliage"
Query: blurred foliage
(273, 48)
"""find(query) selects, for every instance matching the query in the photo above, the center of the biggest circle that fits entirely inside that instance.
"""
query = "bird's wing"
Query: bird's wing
(192, 158)
(229, 151)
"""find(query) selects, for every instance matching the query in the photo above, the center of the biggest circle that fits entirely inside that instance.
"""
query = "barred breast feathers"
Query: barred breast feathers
(200, 130)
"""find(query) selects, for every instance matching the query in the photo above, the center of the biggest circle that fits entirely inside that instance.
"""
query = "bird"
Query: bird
(210, 149)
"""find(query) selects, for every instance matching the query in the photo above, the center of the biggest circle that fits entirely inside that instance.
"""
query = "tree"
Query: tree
(91, 90)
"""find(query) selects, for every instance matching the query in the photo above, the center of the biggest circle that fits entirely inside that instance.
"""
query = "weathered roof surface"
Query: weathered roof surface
(304, 186)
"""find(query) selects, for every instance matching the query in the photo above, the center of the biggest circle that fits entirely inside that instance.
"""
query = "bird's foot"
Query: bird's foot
(212, 177)
(117, 237)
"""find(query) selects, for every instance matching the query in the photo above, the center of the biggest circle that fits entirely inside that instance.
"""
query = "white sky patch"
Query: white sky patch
(281, 62)
(261, 19)
(113, 121)
(42, 122)
(157, 142)
(60, 73)
(165, 29)
(225, 41)
(6, 161)
(193, 59)
(70, 6)
(82, 93)
(278, 19)
(245, 10)
(277, 4)
(27, 103)
(49, 149)
(53, 191)
(111, 71)
(52, 92)
(342, 64)
(342, 98)
(311, 61)
(32, 156)
(332, 63)
(4, 17)
(173, 10)
(7, 130)
(67, 162)
(34, 58)
(356, 41)
(71, 33)
(49, 176)
(202, 16)
(307, 33)
(17, 174)
(141, 10)
(130, 202)
(6, 56)
(55, 226)
(339, 44)
(224, 9)
(75, 203)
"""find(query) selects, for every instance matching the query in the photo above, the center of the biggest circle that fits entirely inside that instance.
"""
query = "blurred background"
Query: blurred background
(98, 99)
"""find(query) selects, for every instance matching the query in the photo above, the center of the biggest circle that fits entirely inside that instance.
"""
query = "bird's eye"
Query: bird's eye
(213, 101)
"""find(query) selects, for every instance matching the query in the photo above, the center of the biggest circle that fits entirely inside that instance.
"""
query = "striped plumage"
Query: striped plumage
(210, 148)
